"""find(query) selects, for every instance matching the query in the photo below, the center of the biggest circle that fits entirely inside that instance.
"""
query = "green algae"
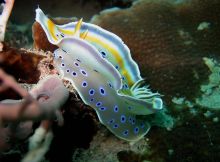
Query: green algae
(210, 97)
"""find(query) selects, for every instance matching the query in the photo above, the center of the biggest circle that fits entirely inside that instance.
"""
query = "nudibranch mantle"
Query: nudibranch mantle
(98, 81)
(110, 46)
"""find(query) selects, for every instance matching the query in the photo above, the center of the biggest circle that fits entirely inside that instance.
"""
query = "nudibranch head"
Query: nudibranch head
(100, 67)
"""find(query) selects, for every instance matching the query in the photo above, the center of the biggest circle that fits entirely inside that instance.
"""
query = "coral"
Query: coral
(49, 98)
(29, 66)
(80, 126)
(76, 115)
(40, 39)
(164, 40)
(169, 41)
(103, 145)
(167, 45)
(39, 144)
(210, 97)
(80, 122)
(68, 8)
(107, 146)
(7, 7)
(20, 63)
(19, 36)
(191, 141)
(43, 103)
(52, 87)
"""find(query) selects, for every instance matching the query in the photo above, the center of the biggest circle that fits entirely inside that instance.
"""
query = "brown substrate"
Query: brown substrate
(80, 122)
(164, 40)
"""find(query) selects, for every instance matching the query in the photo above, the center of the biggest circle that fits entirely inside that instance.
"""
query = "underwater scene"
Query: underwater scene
(110, 81)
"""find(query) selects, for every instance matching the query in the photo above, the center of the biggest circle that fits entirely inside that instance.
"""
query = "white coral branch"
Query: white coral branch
(39, 144)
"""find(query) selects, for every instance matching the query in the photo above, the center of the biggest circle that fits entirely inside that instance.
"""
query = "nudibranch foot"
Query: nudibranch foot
(143, 107)
(94, 81)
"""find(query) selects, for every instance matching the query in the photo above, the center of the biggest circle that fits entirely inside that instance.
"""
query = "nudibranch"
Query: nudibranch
(100, 67)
